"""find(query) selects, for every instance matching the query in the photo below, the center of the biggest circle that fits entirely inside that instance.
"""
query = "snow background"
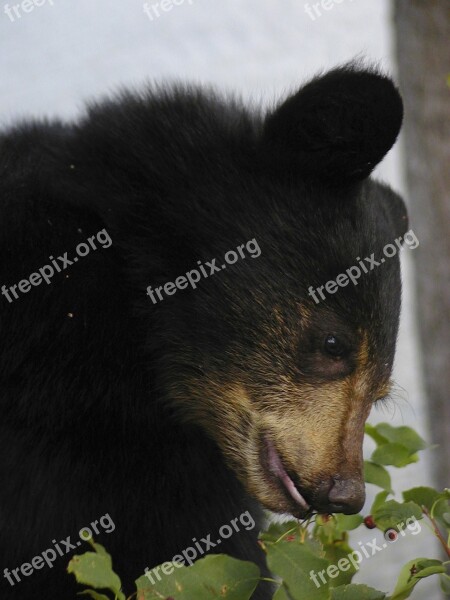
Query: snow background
(56, 56)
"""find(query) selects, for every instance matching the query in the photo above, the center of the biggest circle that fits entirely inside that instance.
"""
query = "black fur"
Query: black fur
(175, 175)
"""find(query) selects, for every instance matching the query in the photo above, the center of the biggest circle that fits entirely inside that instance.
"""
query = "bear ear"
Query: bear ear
(337, 127)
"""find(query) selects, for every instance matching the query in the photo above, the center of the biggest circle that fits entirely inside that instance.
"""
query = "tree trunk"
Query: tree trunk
(423, 55)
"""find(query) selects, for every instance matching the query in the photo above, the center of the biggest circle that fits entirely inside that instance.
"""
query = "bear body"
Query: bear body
(160, 413)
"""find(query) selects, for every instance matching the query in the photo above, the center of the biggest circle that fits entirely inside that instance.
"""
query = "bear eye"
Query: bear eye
(333, 346)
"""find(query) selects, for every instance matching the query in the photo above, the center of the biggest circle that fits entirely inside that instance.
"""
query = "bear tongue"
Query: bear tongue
(277, 468)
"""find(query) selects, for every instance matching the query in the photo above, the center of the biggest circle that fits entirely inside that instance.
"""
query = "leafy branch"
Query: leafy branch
(310, 560)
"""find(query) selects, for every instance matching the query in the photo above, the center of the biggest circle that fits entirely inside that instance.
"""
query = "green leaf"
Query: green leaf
(326, 529)
(423, 496)
(393, 454)
(343, 572)
(98, 548)
(373, 432)
(95, 570)
(281, 594)
(212, 577)
(402, 435)
(412, 573)
(295, 564)
(446, 493)
(94, 595)
(314, 545)
(445, 584)
(377, 475)
(396, 515)
(348, 522)
(380, 499)
(441, 512)
(356, 592)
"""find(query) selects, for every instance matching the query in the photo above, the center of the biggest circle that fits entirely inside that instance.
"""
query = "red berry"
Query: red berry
(369, 522)
(391, 535)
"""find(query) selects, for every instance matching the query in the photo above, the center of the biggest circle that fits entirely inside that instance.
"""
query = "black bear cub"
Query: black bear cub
(185, 336)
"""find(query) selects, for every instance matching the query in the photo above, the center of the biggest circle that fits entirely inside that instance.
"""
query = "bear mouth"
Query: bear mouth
(274, 465)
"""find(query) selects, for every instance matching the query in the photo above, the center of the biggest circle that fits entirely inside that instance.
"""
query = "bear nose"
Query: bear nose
(344, 495)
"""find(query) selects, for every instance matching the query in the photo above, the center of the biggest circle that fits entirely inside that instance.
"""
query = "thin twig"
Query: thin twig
(436, 530)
